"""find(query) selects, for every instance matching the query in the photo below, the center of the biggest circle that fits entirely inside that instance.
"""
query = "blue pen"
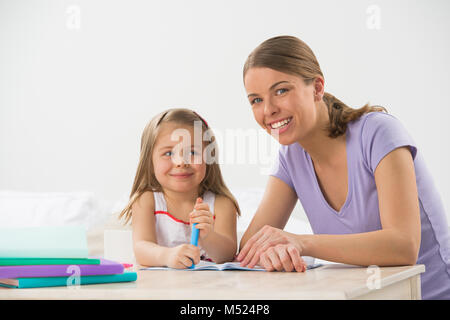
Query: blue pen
(194, 240)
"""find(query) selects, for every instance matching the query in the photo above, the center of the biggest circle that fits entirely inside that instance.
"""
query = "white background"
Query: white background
(80, 79)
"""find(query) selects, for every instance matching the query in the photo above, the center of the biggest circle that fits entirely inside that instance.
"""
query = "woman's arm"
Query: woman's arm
(397, 243)
(221, 243)
(146, 250)
(274, 210)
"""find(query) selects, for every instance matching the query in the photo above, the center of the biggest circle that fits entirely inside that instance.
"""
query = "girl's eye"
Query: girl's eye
(169, 153)
(256, 100)
(280, 91)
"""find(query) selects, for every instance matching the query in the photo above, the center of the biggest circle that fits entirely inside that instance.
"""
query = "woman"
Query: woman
(359, 176)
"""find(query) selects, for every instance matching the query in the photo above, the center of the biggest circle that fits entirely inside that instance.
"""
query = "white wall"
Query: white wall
(80, 79)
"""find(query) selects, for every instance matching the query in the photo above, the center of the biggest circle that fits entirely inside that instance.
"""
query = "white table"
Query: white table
(333, 281)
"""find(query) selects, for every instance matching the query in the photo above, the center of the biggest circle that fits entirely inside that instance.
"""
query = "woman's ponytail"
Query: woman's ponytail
(340, 114)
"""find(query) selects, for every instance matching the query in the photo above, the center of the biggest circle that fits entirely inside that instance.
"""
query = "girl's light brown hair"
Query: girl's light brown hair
(145, 179)
(291, 55)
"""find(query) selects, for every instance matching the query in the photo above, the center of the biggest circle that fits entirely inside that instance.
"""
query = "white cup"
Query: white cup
(118, 246)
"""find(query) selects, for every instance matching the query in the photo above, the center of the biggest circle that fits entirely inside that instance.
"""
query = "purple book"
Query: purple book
(105, 267)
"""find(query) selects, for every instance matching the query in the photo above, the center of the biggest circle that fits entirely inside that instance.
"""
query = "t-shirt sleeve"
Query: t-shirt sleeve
(280, 168)
(381, 134)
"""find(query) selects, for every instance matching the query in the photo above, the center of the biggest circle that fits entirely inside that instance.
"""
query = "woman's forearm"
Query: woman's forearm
(247, 235)
(383, 248)
(219, 247)
(150, 254)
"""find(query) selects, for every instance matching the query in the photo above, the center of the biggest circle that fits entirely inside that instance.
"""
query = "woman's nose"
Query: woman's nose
(269, 108)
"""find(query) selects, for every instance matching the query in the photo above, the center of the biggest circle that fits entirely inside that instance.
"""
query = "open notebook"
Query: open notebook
(206, 265)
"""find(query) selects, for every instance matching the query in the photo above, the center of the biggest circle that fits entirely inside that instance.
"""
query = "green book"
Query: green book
(20, 283)
(45, 261)
(43, 242)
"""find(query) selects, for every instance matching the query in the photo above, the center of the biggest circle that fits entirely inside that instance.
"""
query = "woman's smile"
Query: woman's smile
(280, 125)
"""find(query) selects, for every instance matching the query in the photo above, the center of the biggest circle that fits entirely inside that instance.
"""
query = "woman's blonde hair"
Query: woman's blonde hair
(291, 55)
(145, 179)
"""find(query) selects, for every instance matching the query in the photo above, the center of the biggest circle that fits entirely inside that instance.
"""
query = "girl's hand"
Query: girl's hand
(203, 217)
(183, 256)
(274, 249)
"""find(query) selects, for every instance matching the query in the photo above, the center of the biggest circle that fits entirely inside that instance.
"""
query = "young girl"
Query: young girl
(176, 186)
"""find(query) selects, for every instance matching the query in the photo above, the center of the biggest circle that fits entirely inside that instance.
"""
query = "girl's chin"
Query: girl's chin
(183, 186)
(180, 189)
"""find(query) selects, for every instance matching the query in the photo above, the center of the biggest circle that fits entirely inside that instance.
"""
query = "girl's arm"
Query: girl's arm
(398, 242)
(274, 210)
(221, 243)
(146, 250)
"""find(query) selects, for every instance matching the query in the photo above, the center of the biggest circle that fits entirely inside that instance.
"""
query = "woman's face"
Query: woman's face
(282, 104)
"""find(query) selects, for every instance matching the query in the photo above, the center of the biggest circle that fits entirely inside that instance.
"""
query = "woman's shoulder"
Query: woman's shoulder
(383, 125)
(373, 120)
(380, 133)
(377, 125)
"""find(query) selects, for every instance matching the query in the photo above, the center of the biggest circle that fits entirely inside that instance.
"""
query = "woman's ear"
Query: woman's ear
(319, 88)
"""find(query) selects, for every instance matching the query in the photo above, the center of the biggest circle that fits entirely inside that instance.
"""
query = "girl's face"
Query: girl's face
(282, 104)
(175, 169)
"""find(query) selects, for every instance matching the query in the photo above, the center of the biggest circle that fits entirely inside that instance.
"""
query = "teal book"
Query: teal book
(43, 242)
(46, 261)
(127, 276)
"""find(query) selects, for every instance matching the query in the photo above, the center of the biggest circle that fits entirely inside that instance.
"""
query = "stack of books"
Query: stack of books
(53, 256)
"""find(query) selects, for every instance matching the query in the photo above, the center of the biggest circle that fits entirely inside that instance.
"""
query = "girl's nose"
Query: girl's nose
(181, 159)
(181, 164)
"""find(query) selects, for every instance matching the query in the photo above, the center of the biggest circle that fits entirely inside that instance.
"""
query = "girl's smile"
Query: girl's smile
(181, 175)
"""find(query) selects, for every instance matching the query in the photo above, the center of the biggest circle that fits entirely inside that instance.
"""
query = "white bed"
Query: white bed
(106, 235)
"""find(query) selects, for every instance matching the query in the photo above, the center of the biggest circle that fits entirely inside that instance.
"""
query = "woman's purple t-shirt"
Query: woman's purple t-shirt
(369, 139)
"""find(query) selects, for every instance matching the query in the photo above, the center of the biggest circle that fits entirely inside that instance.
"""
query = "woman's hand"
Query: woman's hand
(203, 217)
(282, 257)
(183, 256)
(274, 249)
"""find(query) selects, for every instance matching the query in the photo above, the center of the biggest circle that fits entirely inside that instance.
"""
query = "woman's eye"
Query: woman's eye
(280, 91)
(168, 154)
(194, 153)
(256, 100)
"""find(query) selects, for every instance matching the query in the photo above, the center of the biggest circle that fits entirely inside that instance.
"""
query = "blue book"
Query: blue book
(20, 283)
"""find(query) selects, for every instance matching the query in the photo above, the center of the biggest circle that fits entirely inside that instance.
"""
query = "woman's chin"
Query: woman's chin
(284, 135)
(283, 139)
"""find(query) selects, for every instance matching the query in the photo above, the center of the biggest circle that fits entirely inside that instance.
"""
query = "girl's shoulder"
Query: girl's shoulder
(145, 201)
(219, 198)
(223, 203)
